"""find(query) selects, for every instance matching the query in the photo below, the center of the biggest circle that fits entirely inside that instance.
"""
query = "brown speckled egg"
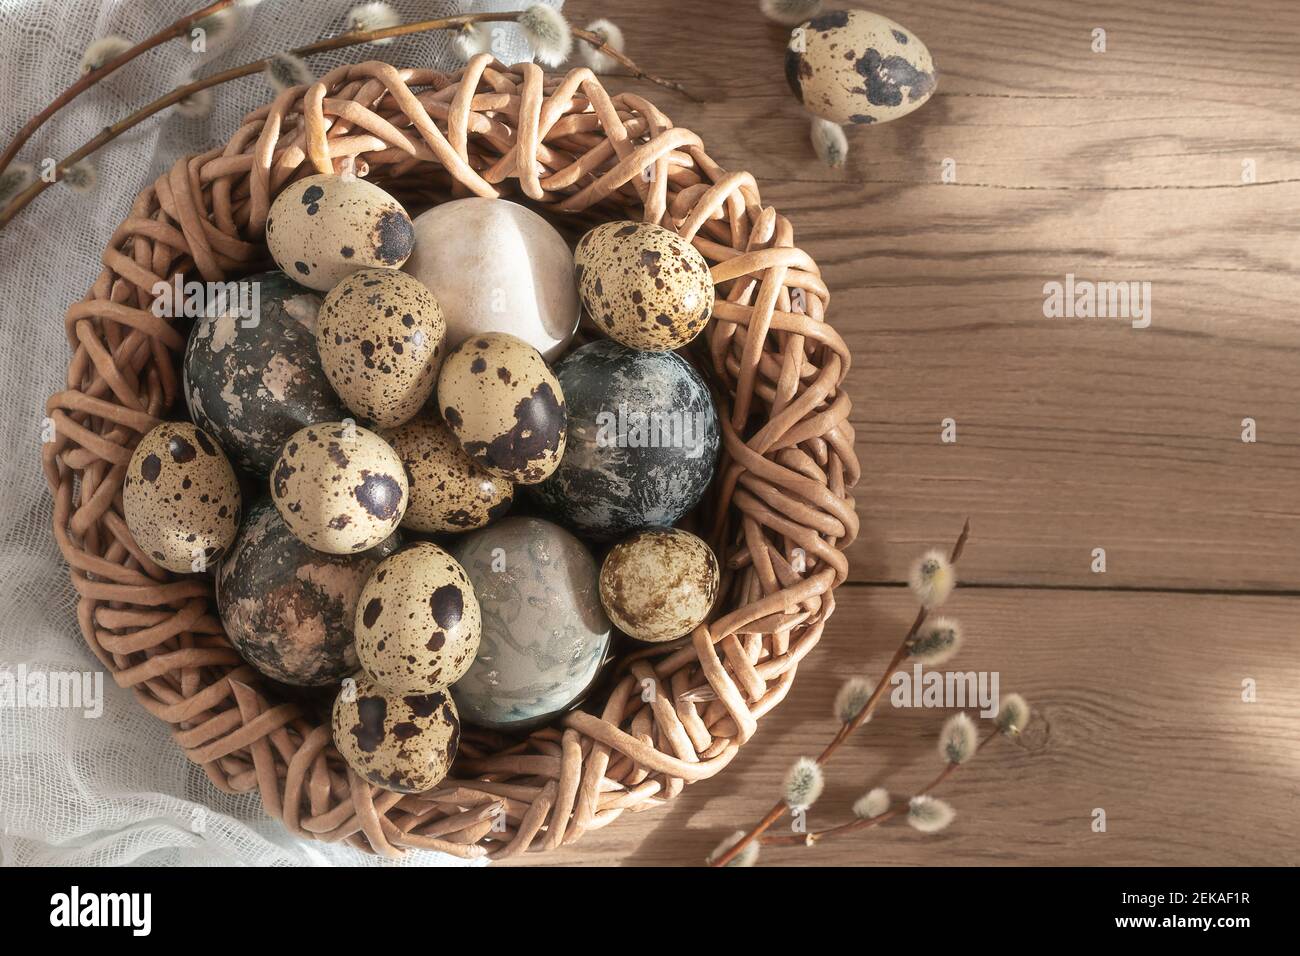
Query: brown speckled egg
(659, 584)
(417, 621)
(643, 285)
(380, 335)
(180, 498)
(852, 66)
(288, 608)
(339, 487)
(323, 228)
(401, 742)
(504, 406)
(449, 490)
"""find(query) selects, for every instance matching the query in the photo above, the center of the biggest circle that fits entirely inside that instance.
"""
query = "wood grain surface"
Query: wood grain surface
(1072, 434)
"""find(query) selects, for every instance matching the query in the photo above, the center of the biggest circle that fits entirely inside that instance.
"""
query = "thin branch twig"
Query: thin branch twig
(865, 823)
(178, 29)
(863, 715)
(109, 133)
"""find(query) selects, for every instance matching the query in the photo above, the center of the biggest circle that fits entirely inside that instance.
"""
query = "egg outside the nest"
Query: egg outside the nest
(643, 441)
(180, 498)
(339, 487)
(252, 384)
(321, 229)
(853, 66)
(288, 608)
(380, 337)
(400, 742)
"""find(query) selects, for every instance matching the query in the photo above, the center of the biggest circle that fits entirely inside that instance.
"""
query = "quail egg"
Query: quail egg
(401, 742)
(504, 406)
(180, 497)
(853, 66)
(417, 621)
(323, 228)
(380, 337)
(659, 584)
(339, 487)
(643, 285)
(449, 491)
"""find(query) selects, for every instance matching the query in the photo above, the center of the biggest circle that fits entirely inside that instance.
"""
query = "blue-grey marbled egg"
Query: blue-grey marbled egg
(288, 608)
(252, 384)
(643, 441)
(544, 632)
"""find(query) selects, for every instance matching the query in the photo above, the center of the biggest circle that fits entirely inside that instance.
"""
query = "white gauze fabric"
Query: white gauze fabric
(78, 787)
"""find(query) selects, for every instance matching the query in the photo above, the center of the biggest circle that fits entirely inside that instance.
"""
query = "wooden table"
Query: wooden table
(1170, 158)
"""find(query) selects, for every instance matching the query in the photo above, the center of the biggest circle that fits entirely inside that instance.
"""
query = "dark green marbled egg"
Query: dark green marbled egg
(252, 383)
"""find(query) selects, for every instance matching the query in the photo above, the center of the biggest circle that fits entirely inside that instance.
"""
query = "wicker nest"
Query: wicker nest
(779, 514)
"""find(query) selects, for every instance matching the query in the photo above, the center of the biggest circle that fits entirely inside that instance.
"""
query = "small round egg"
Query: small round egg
(401, 742)
(643, 285)
(380, 335)
(659, 584)
(504, 406)
(323, 228)
(449, 491)
(853, 66)
(339, 487)
(417, 621)
(288, 608)
(180, 497)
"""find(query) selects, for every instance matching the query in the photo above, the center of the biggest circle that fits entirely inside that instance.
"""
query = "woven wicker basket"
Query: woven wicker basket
(778, 515)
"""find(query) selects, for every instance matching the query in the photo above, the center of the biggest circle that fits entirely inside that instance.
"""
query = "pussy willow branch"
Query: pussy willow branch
(897, 810)
(109, 133)
(846, 729)
(178, 29)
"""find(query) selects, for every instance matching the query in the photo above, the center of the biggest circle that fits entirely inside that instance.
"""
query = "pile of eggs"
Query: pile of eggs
(431, 461)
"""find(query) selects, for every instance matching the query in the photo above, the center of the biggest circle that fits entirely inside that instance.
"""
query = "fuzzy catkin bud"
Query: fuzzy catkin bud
(929, 814)
(547, 33)
(937, 642)
(14, 180)
(103, 50)
(958, 740)
(471, 40)
(790, 12)
(932, 579)
(829, 142)
(1013, 715)
(613, 38)
(284, 70)
(803, 784)
(746, 857)
(852, 697)
(197, 105)
(80, 177)
(872, 804)
(365, 17)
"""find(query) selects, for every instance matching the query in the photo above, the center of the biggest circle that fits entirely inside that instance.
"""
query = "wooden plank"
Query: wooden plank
(1137, 710)
(1073, 434)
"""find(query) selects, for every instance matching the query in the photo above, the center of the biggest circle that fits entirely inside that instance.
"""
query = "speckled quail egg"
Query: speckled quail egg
(288, 608)
(417, 621)
(180, 497)
(401, 742)
(449, 491)
(339, 487)
(380, 337)
(323, 228)
(852, 66)
(643, 285)
(659, 584)
(252, 382)
(504, 406)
